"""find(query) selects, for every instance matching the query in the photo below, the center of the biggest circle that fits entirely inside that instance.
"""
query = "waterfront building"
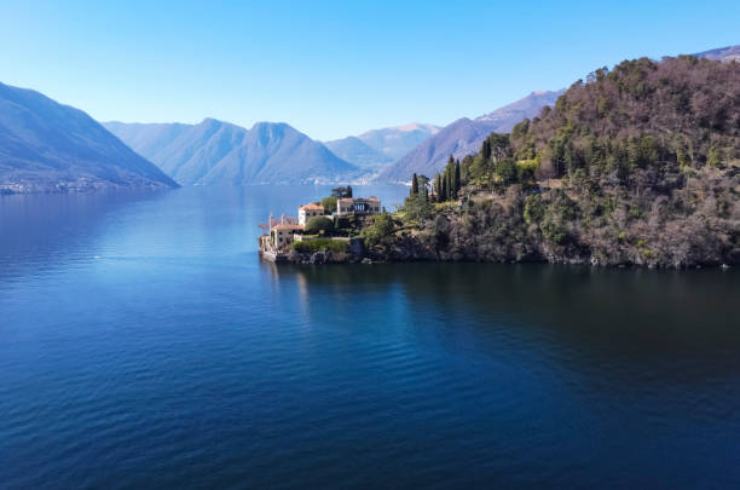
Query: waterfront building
(308, 211)
(358, 206)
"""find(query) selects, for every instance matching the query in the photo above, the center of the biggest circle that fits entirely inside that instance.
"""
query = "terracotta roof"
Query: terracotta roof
(287, 226)
(312, 205)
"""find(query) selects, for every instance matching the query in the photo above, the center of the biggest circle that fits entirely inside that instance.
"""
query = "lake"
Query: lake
(144, 345)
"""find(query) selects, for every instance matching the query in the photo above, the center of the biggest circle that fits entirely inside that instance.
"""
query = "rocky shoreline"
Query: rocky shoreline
(411, 250)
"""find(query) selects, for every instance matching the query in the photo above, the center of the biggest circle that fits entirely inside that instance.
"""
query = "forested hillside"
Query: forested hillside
(638, 165)
(682, 112)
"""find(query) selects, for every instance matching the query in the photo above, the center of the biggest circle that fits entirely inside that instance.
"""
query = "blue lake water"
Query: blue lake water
(144, 345)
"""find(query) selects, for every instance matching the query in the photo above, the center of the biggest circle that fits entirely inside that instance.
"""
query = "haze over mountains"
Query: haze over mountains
(398, 141)
(465, 136)
(218, 152)
(379, 147)
(353, 149)
(46, 146)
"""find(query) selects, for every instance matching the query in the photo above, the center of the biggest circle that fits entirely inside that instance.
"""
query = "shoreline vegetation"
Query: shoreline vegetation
(638, 166)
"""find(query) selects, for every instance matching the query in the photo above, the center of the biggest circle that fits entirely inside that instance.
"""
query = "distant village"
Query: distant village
(328, 224)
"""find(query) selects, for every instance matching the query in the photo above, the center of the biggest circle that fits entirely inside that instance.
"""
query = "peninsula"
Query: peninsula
(639, 166)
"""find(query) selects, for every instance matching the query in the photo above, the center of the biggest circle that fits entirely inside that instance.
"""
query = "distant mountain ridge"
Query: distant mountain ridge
(377, 148)
(726, 54)
(218, 152)
(397, 141)
(464, 136)
(46, 147)
(356, 151)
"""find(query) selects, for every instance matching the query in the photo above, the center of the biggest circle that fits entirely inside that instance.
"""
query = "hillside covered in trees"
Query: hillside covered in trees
(637, 165)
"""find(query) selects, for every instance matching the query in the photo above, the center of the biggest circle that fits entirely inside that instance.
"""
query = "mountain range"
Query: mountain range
(46, 146)
(464, 137)
(353, 149)
(218, 152)
(399, 140)
(725, 55)
(377, 148)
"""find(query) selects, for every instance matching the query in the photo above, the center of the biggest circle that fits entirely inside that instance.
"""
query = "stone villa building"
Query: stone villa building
(308, 211)
(358, 205)
(281, 234)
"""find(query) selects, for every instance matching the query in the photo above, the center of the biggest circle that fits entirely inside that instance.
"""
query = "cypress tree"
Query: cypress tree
(486, 150)
(458, 177)
(438, 187)
(414, 186)
(443, 190)
(454, 180)
(423, 182)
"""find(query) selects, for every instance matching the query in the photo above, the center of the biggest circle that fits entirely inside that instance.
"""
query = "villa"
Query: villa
(358, 206)
(308, 211)
(281, 234)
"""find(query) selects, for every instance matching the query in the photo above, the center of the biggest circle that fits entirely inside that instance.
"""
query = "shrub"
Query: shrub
(321, 245)
(534, 209)
(319, 224)
(526, 169)
(417, 207)
(342, 223)
(506, 171)
(330, 204)
(381, 228)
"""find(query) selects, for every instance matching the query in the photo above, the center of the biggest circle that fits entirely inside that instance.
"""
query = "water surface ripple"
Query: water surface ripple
(143, 345)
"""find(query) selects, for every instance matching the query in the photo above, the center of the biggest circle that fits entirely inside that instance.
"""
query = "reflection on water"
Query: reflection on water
(48, 231)
(143, 344)
(630, 316)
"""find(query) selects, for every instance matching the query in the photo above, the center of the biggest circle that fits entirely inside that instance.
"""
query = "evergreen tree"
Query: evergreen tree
(340, 192)
(414, 186)
(455, 179)
(486, 150)
(423, 183)
(438, 187)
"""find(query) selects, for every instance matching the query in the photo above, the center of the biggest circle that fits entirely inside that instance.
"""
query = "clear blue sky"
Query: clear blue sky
(333, 68)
